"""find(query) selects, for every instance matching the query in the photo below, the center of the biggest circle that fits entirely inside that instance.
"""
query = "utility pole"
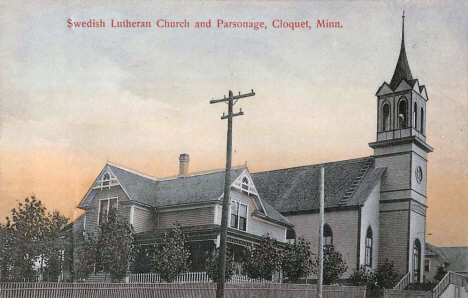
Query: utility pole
(320, 248)
(231, 101)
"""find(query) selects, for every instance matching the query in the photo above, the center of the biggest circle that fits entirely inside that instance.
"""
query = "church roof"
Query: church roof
(402, 69)
(457, 258)
(347, 183)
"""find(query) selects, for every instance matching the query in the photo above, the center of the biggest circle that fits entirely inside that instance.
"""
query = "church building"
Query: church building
(375, 207)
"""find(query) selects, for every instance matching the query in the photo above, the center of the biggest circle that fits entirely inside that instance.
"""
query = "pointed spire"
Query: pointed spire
(402, 69)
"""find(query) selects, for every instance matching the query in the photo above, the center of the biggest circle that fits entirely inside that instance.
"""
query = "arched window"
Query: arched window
(421, 128)
(106, 179)
(416, 260)
(245, 183)
(327, 239)
(402, 117)
(415, 116)
(290, 236)
(369, 244)
(386, 117)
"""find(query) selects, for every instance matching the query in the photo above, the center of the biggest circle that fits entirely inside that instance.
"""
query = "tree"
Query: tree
(386, 276)
(31, 234)
(361, 277)
(263, 259)
(297, 260)
(85, 256)
(53, 246)
(115, 245)
(142, 261)
(171, 256)
(212, 265)
(334, 266)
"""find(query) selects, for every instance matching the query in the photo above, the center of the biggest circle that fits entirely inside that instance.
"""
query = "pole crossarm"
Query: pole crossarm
(235, 97)
(233, 115)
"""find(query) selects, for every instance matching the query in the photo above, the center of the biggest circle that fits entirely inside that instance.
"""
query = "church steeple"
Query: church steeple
(402, 69)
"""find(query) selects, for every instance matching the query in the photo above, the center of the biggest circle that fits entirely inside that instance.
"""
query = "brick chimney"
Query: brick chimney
(183, 165)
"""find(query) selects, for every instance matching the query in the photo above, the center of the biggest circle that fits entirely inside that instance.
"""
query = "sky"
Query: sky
(72, 99)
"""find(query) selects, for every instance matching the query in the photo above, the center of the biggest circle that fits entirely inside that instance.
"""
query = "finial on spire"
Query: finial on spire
(402, 69)
(403, 29)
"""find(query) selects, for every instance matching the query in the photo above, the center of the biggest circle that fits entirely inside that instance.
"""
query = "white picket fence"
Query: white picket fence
(189, 277)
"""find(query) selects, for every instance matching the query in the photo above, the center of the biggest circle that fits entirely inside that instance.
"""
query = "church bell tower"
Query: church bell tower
(402, 149)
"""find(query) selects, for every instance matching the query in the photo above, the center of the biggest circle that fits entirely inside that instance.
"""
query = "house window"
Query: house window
(238, 216)
(290, 236)
(368, 255)
(106, 179)
(415, 116)
(402, 114)
(106, 206)
(427, 265)
(327, 239)
(386, 117)
(416, 260)
(245, 183)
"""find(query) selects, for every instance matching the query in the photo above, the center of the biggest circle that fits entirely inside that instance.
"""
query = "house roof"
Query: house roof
(432, 250)
(192, 189)
(457, 258)
(347, 183)
(174, 191)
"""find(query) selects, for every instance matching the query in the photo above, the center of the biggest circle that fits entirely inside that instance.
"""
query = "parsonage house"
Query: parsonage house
(374, 206)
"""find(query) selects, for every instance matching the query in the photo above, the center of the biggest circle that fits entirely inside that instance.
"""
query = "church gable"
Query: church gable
(422, 91)
(403, 86)
(384, 90)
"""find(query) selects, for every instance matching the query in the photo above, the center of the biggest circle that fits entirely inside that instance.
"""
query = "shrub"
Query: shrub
(212, 265)
(263, 259)
(171, 257)
(297, 260)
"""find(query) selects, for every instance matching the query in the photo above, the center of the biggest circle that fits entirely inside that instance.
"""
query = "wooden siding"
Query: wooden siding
(143, 219)
(255, 225)
(394, 238)
(417, 231)
(397, 175)
(185, 218)
(434, 262)
(93, 206)
(417, 161)
(370, 218)
(344, 225)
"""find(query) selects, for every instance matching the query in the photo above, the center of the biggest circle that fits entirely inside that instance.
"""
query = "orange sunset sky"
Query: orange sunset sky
(72, 98)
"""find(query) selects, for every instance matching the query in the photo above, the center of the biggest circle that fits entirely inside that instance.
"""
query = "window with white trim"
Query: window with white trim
(238, 216)
(369, 244)
(105, 206)
(427, 265)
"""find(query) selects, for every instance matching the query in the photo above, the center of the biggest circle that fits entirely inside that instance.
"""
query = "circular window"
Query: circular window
(419, 174)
